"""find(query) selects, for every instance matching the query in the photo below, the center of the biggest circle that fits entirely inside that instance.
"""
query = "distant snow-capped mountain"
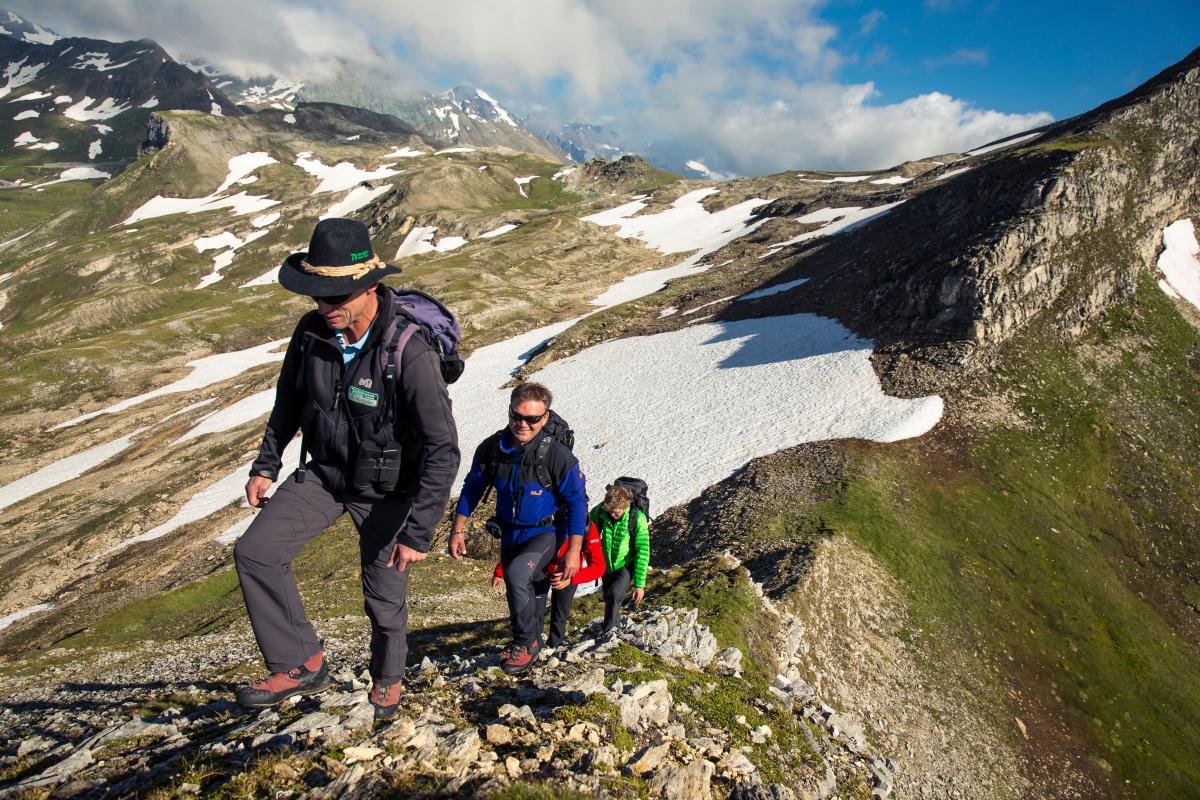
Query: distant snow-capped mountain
(464, 115)
(253, 92)
(13, 25)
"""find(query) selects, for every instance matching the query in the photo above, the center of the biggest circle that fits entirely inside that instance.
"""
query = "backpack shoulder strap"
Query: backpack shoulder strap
(539, 456)
(392, 366)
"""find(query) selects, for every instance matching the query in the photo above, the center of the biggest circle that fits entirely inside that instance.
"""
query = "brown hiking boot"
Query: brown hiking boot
(521, 657)
(309, 678)
(386, 700)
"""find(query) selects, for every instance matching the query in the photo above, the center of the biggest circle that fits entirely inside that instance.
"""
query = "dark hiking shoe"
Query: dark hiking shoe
(386, 700)
(309, 678)
(521, 657)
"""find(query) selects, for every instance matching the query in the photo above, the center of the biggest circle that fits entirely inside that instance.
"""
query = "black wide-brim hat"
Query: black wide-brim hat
(339, 260)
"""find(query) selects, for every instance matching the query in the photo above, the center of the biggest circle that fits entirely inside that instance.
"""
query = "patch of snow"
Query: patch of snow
(24, 139)
(357, 197)
(843, 179)
(404, 152)
(223, 259)
(290, 119)
(249, 179)
(31, 96)
(836, 220)
(151, 103)
(895, 180)
(102, 128)
(562, 173)
(216, 496)
(448, 150)
(1000, 145)
(1178, 261)
(811, 377)
(522, 182)
(353, 138)
(99, 62)
(75, 174)
(245, 410)
(696, 166)
(482, 168)
(669, 311)
(263, 220)
(420, 240)
(94, 149)
(27, 114)
(494, 232)
(107, 109)
(17, 74)
(9, 619)
(268, 278)
(62, 98)
(41, 36)
(686, 225)
(62, 470)
(500, 112)
(239, 167)
(691, 311)
(770, 290)
(205, 372)
(215, 109)
(340, 176)
(952, 173)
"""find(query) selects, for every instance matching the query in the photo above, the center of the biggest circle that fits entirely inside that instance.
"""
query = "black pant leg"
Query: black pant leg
(524, 573)
(560, 610)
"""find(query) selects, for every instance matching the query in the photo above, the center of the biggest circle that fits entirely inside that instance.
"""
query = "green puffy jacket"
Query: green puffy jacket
(614, 540)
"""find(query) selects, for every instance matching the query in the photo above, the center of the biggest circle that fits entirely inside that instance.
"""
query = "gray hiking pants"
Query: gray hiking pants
(614, 585)
(526, 585)
(295, 514)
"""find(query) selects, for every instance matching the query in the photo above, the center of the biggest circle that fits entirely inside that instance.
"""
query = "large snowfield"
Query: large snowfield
(682, 409)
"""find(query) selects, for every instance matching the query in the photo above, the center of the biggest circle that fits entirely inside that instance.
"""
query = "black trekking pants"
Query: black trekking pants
(294, 515)
(560, 611)
(614, 585)
(526, 584)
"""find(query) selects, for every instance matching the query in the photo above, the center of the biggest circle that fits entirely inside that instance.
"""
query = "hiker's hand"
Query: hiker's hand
(256, 490)
(457, 545)
(558, 580)
(638, 594)
(570, 564)
(403, 555)
(497, 583)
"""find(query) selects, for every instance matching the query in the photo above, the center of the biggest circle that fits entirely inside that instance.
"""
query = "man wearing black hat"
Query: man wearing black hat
(383, 448)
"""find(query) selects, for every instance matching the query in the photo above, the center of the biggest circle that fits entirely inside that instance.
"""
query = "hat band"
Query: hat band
(349, 271)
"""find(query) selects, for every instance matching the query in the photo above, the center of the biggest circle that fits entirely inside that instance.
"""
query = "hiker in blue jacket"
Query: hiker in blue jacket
(534, 478)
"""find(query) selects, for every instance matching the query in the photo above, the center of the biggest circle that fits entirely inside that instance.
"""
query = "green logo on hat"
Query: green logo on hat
(361, 255)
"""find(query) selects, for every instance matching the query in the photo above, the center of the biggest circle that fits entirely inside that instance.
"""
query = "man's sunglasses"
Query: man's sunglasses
(332, 299)
(528, 419)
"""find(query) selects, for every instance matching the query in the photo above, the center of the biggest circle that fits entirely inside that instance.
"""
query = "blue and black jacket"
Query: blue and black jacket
(524, 507)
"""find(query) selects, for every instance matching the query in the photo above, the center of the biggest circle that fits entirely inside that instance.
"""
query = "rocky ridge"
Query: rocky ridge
(593, 717)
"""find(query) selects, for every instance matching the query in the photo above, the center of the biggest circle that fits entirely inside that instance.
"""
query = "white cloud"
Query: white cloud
(749, 86)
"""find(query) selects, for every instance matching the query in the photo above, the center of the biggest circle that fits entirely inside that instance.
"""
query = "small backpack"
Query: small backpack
(641, 497)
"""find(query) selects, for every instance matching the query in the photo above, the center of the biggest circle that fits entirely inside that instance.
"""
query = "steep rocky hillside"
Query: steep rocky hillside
(87, 100)
(1005, 606)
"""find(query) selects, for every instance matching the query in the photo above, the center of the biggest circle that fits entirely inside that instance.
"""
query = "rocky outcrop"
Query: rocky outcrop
(584, 720)
(1062, 224)
(158, 135)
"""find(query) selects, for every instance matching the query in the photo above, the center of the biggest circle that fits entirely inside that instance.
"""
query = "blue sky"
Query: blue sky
(750, 87)
(1016, 56)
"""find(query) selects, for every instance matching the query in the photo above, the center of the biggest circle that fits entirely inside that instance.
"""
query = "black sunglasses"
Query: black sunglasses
(332, 299)
(528, 419)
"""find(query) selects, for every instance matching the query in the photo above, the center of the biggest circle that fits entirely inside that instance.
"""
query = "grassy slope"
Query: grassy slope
(1060, 550)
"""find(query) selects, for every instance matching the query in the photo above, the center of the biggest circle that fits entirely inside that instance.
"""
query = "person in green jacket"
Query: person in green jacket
(626, 555)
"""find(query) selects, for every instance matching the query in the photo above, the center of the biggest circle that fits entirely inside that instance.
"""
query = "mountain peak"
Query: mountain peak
(16, 26)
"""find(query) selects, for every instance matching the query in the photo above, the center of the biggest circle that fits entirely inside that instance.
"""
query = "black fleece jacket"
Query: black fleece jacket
(336, 407)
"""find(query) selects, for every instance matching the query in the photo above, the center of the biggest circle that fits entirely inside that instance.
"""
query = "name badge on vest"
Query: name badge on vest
(363, 397)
